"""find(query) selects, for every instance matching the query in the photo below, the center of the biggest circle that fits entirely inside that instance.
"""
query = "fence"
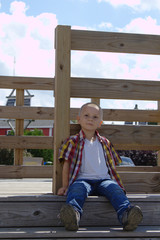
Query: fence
(65, 86)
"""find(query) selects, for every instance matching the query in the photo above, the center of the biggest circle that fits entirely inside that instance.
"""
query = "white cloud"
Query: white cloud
(18, 8)
(30, 39)
(141, 25)
(105, 25)
(138, 5)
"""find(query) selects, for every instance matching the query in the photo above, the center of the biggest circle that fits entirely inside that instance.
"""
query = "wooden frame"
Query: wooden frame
(66, 40)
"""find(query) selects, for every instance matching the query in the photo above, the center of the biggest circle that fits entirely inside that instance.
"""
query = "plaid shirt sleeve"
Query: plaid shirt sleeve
(65, 150)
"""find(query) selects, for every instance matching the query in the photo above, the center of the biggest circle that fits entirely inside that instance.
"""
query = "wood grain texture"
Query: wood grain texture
(89, 233)
(115, 42)
(26, 142)
(47, 113)
(34, 211)
(115, 89)
(128, 137)
(62, 97)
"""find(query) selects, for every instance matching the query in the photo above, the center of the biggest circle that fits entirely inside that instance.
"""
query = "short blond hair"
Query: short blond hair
(91, 103)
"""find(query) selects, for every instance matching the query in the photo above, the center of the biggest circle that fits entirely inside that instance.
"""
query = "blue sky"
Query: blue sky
(27, 35)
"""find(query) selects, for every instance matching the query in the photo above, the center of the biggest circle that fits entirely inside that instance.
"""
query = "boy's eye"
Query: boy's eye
(95, 117)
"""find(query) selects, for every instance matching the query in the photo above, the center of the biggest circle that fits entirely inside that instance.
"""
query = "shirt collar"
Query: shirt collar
(82, 135)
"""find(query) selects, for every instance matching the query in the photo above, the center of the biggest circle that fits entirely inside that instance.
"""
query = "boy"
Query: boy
(89, 169)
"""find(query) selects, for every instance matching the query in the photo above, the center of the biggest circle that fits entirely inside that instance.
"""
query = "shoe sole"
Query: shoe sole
(134, 218)
(68, 218)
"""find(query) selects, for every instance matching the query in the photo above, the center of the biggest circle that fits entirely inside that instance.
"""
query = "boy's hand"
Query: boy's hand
(62, 191)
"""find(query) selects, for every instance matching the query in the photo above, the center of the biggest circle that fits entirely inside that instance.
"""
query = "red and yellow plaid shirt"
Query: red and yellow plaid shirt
(72, 148)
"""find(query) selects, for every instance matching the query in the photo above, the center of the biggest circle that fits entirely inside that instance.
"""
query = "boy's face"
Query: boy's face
(90, 118)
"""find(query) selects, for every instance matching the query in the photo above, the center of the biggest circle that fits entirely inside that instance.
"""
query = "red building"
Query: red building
(46, 126)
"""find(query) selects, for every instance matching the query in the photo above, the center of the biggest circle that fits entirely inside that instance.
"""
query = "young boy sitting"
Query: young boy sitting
(89, 169)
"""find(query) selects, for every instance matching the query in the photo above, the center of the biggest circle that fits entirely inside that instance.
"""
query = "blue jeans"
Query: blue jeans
(81, 189)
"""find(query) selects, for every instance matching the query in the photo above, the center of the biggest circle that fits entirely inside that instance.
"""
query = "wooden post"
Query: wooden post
(62, 97)
(19, 128)
(158, 156)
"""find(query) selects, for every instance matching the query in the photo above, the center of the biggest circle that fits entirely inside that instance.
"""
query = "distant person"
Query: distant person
(89, 169)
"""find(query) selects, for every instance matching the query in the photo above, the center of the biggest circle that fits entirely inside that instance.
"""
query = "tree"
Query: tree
(46, 154)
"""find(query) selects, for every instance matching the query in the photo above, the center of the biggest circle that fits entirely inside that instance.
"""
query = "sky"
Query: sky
(27, 42)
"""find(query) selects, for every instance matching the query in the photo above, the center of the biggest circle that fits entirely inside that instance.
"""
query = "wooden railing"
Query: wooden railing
(65, 87)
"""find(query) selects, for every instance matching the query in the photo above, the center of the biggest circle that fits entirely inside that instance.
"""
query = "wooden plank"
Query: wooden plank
(19, 128)
(36, 83)
(115, 89)
(125, 137)
(47, 113)
(141, 182)
(92, 87)
(62, 97)
(139, 169)
(33, 211)
(23, 112)
(26, 142)
(89, 233)
(115, 42)
(14, 172)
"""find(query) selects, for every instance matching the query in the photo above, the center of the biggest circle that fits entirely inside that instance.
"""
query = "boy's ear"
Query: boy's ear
(78, 118)
(100, 123)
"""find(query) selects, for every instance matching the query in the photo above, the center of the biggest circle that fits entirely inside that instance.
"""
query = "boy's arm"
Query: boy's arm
(65, 179)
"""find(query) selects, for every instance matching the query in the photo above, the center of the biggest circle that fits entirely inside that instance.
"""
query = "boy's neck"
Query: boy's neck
(91, 136)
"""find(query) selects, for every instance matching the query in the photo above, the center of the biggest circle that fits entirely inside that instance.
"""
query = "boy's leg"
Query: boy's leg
(129, 216)
(71, 212)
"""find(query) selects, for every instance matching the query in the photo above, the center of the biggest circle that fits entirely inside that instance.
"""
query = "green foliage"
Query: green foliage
(6, 156)
(46, 154)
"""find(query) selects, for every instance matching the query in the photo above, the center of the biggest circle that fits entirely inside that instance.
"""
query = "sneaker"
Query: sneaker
(70, 217)
(131, 218)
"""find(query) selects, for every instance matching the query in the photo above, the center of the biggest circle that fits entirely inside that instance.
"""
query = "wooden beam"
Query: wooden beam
(21, 112)
(26, 142)
(115, 42)
(129, 137)
(19, 128)
(14, 172)
(62, 97)
(92, 87)
(115, 89)
(37, 83)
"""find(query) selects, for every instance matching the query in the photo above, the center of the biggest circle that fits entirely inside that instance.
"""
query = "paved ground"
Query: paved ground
(15, 186)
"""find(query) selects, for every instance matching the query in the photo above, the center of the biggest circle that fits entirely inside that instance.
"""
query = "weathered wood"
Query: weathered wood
(14, 172)
(115, 89)
(36, 83)
(125, 137)
(42, 210)
(91, 87)
(23, 112)
(26, 142)
(62, 97)
(19, 128)
(141, 182)
(89, 233)
(115, 42)
(47, 113)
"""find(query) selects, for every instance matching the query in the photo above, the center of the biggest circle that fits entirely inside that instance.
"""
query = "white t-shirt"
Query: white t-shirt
(93, 162)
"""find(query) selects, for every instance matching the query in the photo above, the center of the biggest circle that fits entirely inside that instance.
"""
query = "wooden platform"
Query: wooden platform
(28, 210)
(88, 233)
